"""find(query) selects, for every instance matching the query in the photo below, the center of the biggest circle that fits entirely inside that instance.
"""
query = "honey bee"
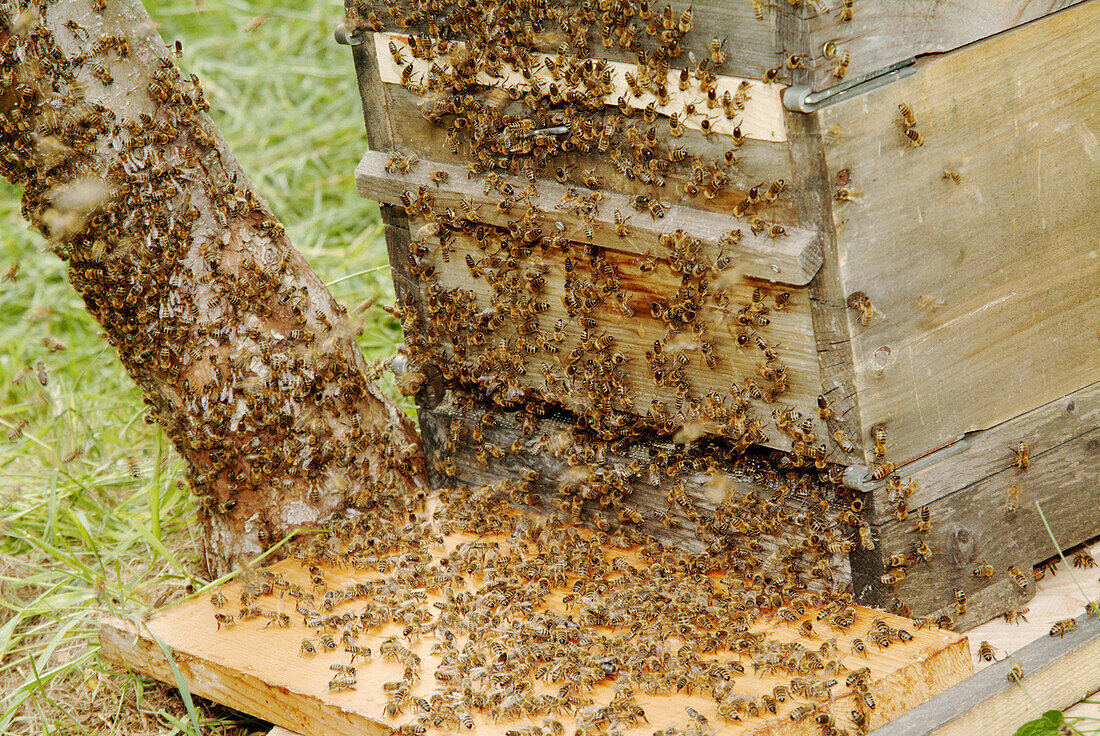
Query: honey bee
(953, 175)
(1022, 451)
(841, 68)
(908, 119)
(439, 177)
(879, 435)
(621, 228)
(924, 519)
(1015, 615)
(675, 125)
(717, 57)
(983, 570)
(923, 551)
(1063, 627)
(842, 441)
(338, 684)
(985, 652)
(893, 577)
(847, 10)
(915, 138)
(1082, 559)
(960, 602)
(862, 303)
(218, 600)
(880, 470)
(866, 541)
(758, 9)
(858, 647)
(223, 619)
(1018, 578)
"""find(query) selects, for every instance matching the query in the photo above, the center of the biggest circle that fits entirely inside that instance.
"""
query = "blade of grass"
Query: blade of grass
(181, 683)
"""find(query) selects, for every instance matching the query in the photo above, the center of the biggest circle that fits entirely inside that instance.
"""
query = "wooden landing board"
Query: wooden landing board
(1058, 596)
(1058, 672)
(791, 259)
(260, 671)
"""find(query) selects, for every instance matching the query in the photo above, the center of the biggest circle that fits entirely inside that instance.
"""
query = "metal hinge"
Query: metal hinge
(802, 98)
(343, 36)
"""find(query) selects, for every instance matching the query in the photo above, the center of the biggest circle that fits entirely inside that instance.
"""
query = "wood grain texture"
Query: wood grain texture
(985, 290)
(259, 670)
(1057, 673)
(650, 498)
(634, 335)
(792, 259)
(882, 32)
(750, 42)
(972, 526)
(1059, 595)
(757, 162)
(982, 454)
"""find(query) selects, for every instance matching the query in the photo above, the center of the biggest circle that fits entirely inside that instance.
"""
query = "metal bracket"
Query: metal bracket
(802, 98)
(348, 38)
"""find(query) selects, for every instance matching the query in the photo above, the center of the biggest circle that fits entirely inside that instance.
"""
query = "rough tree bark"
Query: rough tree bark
(241, 353)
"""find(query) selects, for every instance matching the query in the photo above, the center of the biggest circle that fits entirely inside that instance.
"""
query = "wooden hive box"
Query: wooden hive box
(931, 271)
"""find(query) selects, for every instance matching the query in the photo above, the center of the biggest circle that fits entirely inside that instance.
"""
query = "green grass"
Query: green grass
(81, 536)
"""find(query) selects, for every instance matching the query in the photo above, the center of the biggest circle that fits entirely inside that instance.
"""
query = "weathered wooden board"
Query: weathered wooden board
(635, 334)
(972, 526)
(750, 39)
(259, 670)
(831, 329)
(1059, 595)
(649, 495)
(992, 278)
(882, 32)
(761, 119)
(791, 259)
(756, 161)
(981, 454)
(1057, 673)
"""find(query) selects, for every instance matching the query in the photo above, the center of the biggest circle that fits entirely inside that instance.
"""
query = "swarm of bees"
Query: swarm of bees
(533, 620)
(527, 316)
(135, 204)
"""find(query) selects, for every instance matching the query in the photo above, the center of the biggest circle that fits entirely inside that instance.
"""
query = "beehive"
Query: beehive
(851, 235)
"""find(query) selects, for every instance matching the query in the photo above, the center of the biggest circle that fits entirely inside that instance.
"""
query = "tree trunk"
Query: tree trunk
(242, 355)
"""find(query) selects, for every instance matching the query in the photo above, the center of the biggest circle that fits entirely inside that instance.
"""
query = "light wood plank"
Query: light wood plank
(1057, 673)
(259, 670)
(882, 32)
(985, 291)
(792, 259)
(1059, 595)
